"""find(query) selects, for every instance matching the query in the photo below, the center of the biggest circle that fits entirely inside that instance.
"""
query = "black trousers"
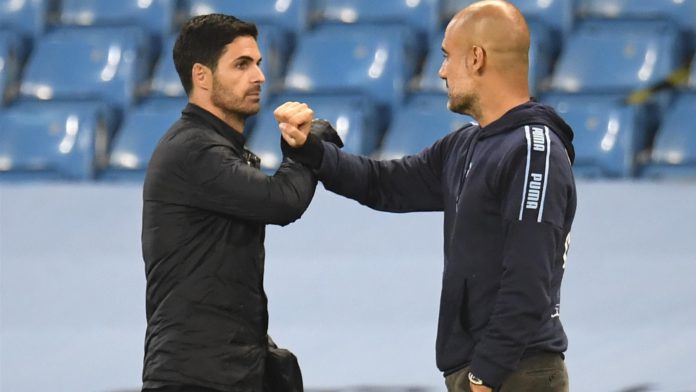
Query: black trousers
(544, 372)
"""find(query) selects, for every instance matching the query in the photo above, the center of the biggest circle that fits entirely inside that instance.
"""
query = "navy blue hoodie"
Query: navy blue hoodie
(508, 196)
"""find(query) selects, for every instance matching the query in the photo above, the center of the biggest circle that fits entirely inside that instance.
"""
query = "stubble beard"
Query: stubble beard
(467, 104)
(229, 104)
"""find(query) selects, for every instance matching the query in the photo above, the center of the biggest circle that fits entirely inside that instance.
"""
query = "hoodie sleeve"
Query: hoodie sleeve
(536, 188)
(412, 183)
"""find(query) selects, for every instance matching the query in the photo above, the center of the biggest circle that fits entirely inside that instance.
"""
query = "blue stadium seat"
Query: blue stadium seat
(542, 55)
(108, 64)
(674, 151)
(683, 12)
(418, 124)
(166, 83)
(610, 137)
(165, 80)
(137, 138)
(353, 59)
(429, 79)
(354, 120)
(53, 140)
(422, 16)
(557, 14)
(12, 53)
(618, 56)
(692, 78)
(157, 17)
(28, 17)
(292, 16)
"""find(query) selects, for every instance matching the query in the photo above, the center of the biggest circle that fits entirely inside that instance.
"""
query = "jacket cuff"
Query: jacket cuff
(491, 373)
(310, 154)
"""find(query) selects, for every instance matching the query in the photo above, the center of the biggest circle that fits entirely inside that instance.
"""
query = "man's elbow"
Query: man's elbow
(289, 213)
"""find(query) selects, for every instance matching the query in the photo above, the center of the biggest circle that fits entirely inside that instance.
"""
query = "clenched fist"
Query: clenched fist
(295, 122)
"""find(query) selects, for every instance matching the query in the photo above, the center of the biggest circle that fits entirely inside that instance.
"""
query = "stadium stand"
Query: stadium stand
(137, 138)
(421, 16)
(418, 124)
(157, 17)
(368, 60)
(53, 140)
(292, 17)
(86, 63)
(674, 153)
(682, 12)
(354, 59)
(618, 56)
(611, 137)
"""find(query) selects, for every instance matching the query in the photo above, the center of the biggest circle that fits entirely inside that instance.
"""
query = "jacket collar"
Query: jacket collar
(235, 137)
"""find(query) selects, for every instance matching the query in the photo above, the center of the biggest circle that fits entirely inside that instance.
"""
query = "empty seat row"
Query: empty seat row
(378, 61)
(427, 17)
(613, 139)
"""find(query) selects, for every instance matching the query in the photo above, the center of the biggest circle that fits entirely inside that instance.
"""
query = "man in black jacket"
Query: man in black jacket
(205, 207)
(508, 195)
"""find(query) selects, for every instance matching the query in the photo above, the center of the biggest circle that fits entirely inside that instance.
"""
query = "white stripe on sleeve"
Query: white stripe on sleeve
(526, 171)
(546, 173)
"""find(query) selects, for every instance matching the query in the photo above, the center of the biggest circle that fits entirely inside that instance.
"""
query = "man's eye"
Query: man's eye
(242, 65)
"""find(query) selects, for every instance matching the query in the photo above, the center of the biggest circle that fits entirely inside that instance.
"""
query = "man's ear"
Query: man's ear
(201, 76)
(477, 60)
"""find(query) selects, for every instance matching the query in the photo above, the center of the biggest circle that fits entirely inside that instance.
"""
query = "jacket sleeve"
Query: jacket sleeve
(223, 182)
(412, 183)
(536, 188)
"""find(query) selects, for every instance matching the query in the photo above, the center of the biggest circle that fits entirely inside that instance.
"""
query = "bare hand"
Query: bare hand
(295, 122)
(479, 388)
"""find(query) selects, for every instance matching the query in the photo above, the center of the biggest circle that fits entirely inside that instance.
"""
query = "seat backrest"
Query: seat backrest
(109, 64)
(157, 17)
(142, 128)
(681, 11)
(609, 135)
(291, 15)
(366, 59)
(423, 16)
(675, 143)
(618, 56)
(28, 17)
(418, 124)
(53, 140)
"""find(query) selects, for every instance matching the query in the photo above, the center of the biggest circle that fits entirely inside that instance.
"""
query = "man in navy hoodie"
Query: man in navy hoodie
(508, 195)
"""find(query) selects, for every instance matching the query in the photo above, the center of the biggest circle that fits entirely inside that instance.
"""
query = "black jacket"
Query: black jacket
(205, 207)
(508, 196)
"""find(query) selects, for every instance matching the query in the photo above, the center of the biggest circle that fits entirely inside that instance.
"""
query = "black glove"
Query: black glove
(326, 132)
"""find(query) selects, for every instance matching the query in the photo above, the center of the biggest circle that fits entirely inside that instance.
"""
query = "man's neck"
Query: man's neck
(236, 122)
(496, 106)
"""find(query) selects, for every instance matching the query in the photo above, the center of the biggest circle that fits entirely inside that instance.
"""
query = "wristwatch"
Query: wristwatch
(476, 381)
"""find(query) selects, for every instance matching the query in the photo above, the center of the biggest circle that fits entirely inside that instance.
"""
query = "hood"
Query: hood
(532, 113)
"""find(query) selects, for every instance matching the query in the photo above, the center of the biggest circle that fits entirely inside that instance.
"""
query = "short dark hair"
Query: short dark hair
(203, 39)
